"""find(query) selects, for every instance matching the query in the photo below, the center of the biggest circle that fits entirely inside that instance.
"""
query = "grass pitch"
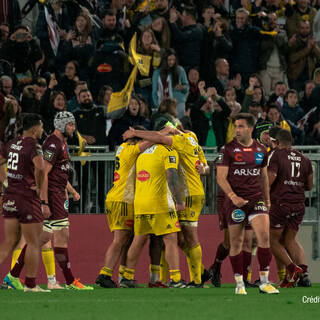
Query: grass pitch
(164, 304)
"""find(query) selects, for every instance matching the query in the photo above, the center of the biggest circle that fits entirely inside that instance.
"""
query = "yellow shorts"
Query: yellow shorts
(120, 215)
(194, 205)
(158, 224)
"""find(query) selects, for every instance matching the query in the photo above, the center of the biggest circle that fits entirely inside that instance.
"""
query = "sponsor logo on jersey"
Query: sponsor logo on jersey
(116, 177)
(172, 159)
(220, 158)
(129, 223)
(10, 205)
(119, 150)
(237, 150)
(238, 215)
(238, 157)
(66, 205)
(104, 67)
(247, 172)
(65, 167)
(143, 175)
(52, 145)
(260, 206)
(192, 141)
(48, 155)
(150, 150)
(259, 157)
(247, 149)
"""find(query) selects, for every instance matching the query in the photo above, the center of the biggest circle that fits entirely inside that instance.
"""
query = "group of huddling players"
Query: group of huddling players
(158, 194)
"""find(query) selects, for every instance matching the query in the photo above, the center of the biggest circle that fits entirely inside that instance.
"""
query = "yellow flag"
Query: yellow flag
(142, 61)
(121, 99)
(142, 5)
(82, 144)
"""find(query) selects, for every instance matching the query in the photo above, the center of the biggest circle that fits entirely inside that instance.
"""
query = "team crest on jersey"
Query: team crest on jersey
(48, 155)
(220, 158)
(143, 176)
(238, 215)
(192, 141)
(150, 150)
(129, 223)
(10, 206)
(258, 157)
(119, 150)
(52, 145)
(116, 177)
(66, 205)
(172, 159)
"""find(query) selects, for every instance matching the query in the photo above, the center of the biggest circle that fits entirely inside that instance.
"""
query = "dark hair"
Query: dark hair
(248, 117)
(284, 137)
(83, 90)
(272, 106)
(165, 70)
(190, 11)
(76, 65)
(102, 93)
(30, 120)
(22, 27)
(273, 131)
(81, 83)
(53, 97)
(291, 91)
(108, 12)
(279, 83)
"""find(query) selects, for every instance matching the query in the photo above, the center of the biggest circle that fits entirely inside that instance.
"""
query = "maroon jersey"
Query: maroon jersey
(55, 151)
(19, 153)
(292, 169)
(245, 164)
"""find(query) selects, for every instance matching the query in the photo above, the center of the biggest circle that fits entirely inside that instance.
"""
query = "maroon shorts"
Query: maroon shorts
(26, 209)
(237, 215)
(58, 204)
(286, 215)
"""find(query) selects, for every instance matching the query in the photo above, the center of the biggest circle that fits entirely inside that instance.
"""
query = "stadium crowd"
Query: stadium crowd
(201, 66)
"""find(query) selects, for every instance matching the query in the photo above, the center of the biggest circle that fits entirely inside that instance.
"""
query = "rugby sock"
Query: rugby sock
(186, 251)
(106, 271)
(249, 276)
(264, 258)
(16, 270)
(128, 274)
(121, 271)
(154, 273)
(221, 254)
(30, 282)
(196, 262)
(49, 263)
(237, 263)
(281, 274)
(246, 264)
(64, 263)
(163, 267)
(15, 256)
(175, 275)
(239, 280)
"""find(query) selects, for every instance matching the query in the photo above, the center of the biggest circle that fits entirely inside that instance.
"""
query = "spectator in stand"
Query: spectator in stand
(275, 117)
(24, 53)
(279, 93)
(194, 92)
(73, 103)
(161, 9)
(272, 64)
(104, 97)
(254, 93)
(79, 45)
(148, 46)
(216, 44)
(210, 119)
(130, 118)
(6, 85)
(306, 102)
(10, 13)
(170, 80)
(219, 8)
(4, 33)
(304, 54)
(208, 16)
(300, 11)
(144, 107)
(292, 113)
(161, 31)
(246, 41)
(188, 40)
(316, 76)
(9, 120)
(68, 81)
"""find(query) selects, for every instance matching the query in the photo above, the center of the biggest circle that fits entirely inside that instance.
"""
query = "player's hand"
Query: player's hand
(180, 206)
(128, 134)
(45, 211)
(238, 201)
(76, 196)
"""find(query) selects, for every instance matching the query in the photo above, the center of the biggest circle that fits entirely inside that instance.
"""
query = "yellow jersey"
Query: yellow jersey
(152, 194)
(190, 154)
(124, 174)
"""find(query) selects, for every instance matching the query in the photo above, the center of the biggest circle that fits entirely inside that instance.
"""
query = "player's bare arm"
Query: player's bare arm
(144, 145)
(2, 170)
(38, 172)
(152, 136)
(222, 173)
(265, 186)
(309, 185)
(174, 186)
(203, 169)
(44, 190)
(271, 177)
(73, 191)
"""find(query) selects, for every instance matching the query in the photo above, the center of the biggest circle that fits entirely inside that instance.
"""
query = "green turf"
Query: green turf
(164, 304)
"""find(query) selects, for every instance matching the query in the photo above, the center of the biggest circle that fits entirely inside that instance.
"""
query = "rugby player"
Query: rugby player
(155, 209)
(54, 199)
(119, 205)
(193, 163)
(290, 175)
(242, 175)
(21, 203)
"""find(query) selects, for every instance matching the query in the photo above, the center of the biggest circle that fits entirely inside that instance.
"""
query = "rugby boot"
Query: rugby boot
(268, 288)
(180, 284)
(35, 289)
(77, 285)
(240, 290)
(105, 281)
(157, 284)
(13, 282)
(126, 283)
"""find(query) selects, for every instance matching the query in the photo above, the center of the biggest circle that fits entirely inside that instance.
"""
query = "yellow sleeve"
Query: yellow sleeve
(171, 159)
(178, 142)
(202, 157)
